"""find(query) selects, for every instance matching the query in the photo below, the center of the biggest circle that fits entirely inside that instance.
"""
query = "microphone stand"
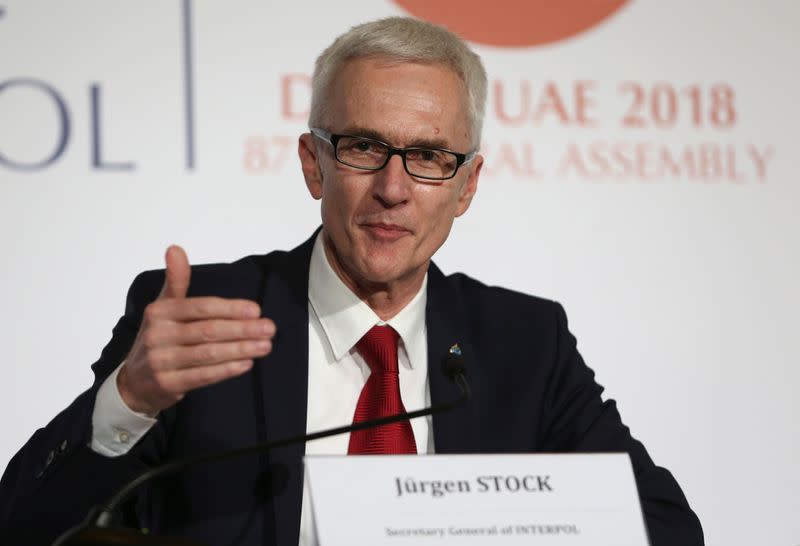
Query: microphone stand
(96, 529)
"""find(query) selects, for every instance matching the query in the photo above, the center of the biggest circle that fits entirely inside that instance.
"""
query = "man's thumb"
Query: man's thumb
(178, 273)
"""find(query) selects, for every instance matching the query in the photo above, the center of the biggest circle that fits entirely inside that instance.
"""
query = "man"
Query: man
(195, 366)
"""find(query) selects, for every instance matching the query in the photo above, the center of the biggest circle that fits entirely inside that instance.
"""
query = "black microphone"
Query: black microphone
(96, 529)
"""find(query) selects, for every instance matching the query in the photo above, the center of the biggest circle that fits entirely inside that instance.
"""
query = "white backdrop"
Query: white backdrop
(640, 172)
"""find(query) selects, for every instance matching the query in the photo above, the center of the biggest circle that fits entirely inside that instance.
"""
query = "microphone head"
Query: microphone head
(453, 362)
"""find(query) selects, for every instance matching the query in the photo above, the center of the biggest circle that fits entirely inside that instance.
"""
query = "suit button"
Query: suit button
(63, 447)
(50, 457)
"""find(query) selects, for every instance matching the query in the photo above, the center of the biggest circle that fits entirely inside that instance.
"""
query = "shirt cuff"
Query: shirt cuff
(115, 427)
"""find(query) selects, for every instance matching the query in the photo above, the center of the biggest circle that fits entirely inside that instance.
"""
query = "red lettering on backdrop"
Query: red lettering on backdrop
(550, 104)
(500, 103)
(295, 93)
(598, 158)
(267, 154)
(671, 166)
(710, 162)
(584, 102)
(621, 158)
(662, 106)
(760, 160)
(517, 158)
(572, 160)
(644, 161)
(731, 167)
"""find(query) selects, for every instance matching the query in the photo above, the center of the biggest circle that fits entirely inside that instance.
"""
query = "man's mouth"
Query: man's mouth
(381, 230)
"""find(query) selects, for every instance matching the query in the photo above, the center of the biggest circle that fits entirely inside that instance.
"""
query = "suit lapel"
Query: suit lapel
(455, 431)
(284, 383)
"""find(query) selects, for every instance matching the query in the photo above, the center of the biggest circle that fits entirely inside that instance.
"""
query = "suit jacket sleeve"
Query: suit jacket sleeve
(53, 481)
(579, 420)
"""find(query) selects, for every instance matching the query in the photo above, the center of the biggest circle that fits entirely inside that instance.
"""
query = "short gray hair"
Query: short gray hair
(402, 39)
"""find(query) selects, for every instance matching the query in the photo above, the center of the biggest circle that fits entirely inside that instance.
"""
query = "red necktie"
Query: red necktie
(380, 397)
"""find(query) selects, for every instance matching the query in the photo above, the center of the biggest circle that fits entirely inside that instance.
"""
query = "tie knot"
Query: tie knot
(379, 349)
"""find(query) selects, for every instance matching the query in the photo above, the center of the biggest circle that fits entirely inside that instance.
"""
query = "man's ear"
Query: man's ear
(470, 186)
(309, 163)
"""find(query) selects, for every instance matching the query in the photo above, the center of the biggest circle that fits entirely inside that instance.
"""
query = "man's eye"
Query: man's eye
(364, 147)
(433, 156)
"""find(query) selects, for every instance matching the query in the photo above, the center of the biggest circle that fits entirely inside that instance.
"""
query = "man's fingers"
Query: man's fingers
(204, 308)
(208, 331)
(188, 379)
(178, 273)
(208, 354)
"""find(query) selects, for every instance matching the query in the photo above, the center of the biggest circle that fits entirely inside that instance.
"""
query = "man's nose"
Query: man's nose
(392, 183)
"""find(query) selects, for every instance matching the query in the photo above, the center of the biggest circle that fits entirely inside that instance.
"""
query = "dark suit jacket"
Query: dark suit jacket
(531, 393)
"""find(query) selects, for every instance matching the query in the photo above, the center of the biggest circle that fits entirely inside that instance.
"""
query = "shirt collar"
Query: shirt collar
(345, 318)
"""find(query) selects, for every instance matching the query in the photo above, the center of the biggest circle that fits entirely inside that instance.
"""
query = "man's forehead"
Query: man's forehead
(402, 103)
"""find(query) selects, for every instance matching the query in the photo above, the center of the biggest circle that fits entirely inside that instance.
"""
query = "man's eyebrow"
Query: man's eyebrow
(377, 135)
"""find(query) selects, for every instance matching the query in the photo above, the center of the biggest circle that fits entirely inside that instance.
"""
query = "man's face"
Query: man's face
(382, 227)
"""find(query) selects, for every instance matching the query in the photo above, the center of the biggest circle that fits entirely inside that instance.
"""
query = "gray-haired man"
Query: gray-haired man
(392, 156)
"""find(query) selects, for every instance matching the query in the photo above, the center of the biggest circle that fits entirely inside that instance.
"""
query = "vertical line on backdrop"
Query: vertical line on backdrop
(188, 82)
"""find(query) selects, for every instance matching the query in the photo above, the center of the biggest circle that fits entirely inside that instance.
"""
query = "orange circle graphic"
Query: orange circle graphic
(514, 23)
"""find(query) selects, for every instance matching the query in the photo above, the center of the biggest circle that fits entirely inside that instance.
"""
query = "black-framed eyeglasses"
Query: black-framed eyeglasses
(434, 164)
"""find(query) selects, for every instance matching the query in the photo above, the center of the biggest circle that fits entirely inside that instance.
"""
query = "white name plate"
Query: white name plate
(575, 499)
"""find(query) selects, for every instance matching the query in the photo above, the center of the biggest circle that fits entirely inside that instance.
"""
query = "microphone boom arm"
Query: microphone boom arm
(105, 516)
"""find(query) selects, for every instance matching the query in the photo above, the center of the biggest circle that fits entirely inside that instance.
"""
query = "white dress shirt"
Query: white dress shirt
(337, 319)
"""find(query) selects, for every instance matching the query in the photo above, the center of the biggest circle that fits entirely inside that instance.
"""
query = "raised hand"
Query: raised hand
(186, 343)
